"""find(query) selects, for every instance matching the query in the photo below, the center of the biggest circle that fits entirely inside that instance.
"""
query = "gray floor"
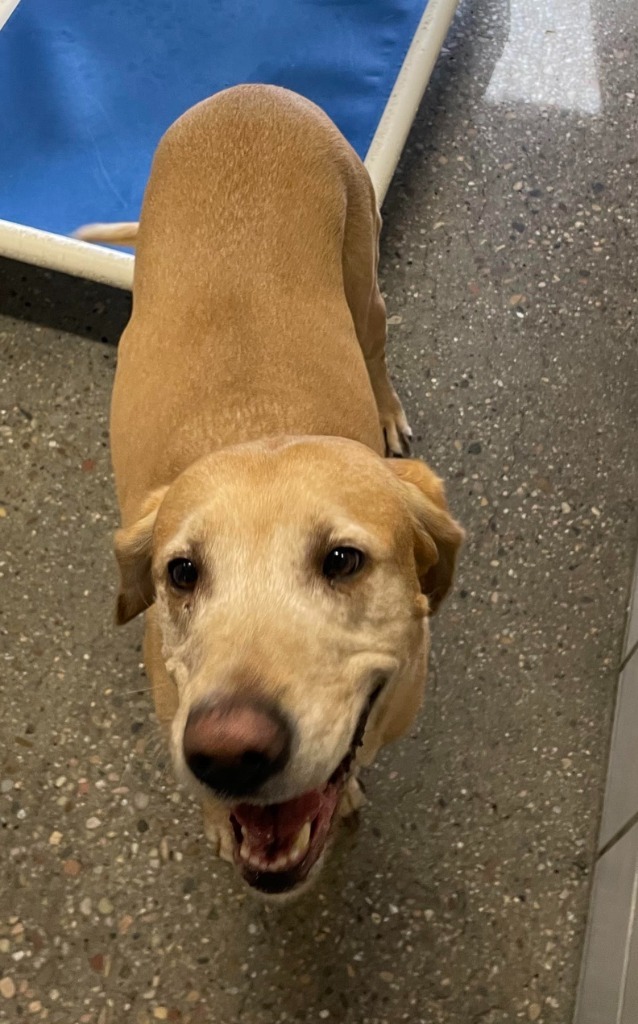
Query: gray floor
(510, 270)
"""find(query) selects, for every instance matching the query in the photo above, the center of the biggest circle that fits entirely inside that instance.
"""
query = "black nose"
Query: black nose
(235, 746)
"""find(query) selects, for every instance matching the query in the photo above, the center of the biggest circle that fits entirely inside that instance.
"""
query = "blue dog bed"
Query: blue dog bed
(87, 87)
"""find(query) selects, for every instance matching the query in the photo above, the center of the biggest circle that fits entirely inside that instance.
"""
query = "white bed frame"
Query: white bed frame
(69, 256)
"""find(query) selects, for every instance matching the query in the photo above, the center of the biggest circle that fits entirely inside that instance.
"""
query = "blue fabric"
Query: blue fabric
(87, 87)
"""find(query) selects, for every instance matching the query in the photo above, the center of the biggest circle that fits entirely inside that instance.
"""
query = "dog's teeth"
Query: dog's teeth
(301, 843)
(284, 861)
(252, 859)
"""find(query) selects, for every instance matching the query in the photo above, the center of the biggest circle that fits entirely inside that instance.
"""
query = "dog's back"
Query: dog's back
(241, 326)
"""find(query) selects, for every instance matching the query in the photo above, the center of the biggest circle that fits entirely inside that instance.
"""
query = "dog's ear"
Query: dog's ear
(133, 551)
(437, 536)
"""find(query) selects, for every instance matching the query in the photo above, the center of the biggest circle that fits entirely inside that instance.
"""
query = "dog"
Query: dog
(287, 567)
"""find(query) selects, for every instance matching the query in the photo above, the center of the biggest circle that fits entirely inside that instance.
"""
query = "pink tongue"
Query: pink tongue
(279, 824)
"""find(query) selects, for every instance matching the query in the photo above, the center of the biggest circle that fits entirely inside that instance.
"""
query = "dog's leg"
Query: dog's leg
(353, 798)
(217, 829)
(396, 428)
(360, 263)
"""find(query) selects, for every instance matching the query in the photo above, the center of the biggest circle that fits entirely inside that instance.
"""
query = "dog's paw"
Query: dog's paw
(352, 799)
(221, 841)
(218, 833)
(395, 426)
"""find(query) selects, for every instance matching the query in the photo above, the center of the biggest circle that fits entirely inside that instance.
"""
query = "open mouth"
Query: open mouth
(277, 845)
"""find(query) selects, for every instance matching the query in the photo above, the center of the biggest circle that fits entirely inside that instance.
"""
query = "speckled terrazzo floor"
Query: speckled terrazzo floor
(510, 269)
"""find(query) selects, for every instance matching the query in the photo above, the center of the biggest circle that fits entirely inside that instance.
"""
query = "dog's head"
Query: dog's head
(292, 584)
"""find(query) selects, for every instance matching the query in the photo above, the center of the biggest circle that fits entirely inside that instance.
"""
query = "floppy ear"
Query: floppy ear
(133, 551)
(437, 536)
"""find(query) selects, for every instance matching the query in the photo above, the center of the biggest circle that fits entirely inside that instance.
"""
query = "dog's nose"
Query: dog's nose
(234, 746)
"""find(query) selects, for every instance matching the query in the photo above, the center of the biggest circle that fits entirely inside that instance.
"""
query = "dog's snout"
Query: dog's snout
(235, 746)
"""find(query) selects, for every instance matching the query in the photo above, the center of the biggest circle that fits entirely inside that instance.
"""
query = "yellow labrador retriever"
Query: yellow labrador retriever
(286, 568)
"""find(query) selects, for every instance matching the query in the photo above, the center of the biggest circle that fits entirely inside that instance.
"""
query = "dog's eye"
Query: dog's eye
(182, 573)
(342, 562)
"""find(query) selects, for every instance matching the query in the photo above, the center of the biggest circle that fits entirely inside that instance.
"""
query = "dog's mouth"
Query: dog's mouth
(277, 845)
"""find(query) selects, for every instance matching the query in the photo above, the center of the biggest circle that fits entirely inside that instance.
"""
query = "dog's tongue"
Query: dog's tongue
(279, 824)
